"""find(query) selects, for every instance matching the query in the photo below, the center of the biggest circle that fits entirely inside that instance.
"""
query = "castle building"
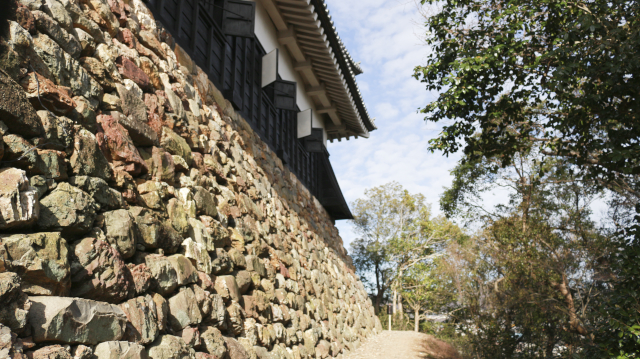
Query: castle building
(285, 70)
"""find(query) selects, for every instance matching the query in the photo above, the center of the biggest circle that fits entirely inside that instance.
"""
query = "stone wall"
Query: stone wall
(140, 217)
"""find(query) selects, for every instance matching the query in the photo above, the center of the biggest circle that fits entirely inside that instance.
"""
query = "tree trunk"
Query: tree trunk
(574, 321)
(378, 302)
(400, 307)
(417, 319)
(395, 302)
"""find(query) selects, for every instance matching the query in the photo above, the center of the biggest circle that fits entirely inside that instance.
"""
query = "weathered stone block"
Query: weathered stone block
(170, 347)
(213, 341)
(88, 159)
(16, 111)
(106, 198)
(184, 310)
(75, 321)
(52, 352)
(163, 272)
(185, 271)
(116, 144)
(176, 145)
(15, 304)
(19, 205)
(121, 231)
(198, 254)
(99, 273)
(141, 313)
(227, 288)
(41, 261)
(120, 350)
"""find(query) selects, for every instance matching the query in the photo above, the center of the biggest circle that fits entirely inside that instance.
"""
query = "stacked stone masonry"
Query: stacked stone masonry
(141, 217)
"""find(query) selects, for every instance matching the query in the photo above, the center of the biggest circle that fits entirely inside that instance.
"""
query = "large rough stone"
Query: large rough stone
(163, 272)
(15, 304)
(170, 347)
(19, 205)
(221, 263)
(185, 271)
(107, 199)
(198, 232)
(227, 288)
(59, 131)
(99, 72)
(103, 16)
(120, 350)
(255, 264)
(88, 159)
(129, 70)
(149, 227)
(67, 209)
(213, 341)
(176, 145)
(118, 147)
(178, 216)
(236, 350)
(235, 319)
(98, 272)
(183, 310)
(47, 25)
(135, 110)
(143, 321)
(16, 111)
(41, 261)
(10, 346)
(66, 70)
(121, 231)
(75, 321)
(198, 254)
(52, 352)
(205, 202)
(42, 92)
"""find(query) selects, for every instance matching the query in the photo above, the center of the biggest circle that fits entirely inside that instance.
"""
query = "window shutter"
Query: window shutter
(239, 18)
(270, 68)
(285, 95)
(305, 123)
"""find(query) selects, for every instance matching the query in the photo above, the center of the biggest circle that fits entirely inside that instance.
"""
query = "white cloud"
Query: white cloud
(383, 36)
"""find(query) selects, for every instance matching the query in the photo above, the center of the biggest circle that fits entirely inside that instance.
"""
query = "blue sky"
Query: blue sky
(385, 35)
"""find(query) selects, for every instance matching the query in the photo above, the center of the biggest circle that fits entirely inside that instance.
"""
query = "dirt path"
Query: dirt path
(404, 345)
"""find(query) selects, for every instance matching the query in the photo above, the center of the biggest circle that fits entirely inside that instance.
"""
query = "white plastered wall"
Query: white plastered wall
(268, 36)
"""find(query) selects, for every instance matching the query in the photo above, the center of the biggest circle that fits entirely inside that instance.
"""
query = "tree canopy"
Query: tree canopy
(560, 74)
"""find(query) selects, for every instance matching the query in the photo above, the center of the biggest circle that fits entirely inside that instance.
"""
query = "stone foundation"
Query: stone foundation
(141, 217)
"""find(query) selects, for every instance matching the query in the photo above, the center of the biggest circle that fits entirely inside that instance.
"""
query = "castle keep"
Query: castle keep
(165, 187)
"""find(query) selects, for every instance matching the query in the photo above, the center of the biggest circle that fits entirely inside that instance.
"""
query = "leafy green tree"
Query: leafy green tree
(396, 232)
(529, 281)
(560, 76)
(424, 291)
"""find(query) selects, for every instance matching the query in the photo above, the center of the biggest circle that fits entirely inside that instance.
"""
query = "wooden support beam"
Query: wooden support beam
(275, 15)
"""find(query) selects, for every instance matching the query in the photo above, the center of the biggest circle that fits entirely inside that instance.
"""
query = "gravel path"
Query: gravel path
(404, 345)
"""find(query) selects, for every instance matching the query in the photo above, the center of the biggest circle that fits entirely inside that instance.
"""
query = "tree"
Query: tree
(396, 232)
(562, 74)
(424, 291)
(557, 75)
(531, 277)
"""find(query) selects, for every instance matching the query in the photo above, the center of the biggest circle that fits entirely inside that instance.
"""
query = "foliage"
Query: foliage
(559, 77)
(561, 74)
(527, 283)
(396, 232)
(424, 291)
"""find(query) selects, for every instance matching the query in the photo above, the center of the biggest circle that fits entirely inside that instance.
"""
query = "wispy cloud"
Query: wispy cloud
(384, 36)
